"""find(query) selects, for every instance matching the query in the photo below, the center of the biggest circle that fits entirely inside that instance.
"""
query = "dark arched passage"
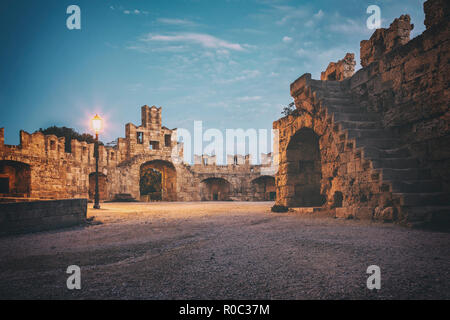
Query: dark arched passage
(215, 189)
(158, 181)
(15, 179)
(264, 188)
(304, 170)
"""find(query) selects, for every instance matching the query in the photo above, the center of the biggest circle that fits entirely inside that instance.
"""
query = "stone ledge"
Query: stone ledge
(23, 217)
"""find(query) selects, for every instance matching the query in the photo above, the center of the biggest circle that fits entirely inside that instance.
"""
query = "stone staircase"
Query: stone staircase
(418, 198)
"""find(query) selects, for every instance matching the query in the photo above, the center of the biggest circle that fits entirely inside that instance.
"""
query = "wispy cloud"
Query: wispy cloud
(290, 13)
(301, 52)
(147, 49)
(349, 26)
(346, 25)
(128, 11)
(319, 14)
(178, 22)
(249, 99)
(287, 39)
(205, 40)
(245, 75)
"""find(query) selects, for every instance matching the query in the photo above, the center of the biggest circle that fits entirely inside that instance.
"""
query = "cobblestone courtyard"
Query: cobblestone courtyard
(224, 250)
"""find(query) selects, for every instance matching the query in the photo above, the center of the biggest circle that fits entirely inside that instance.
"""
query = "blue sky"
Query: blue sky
(227, 63)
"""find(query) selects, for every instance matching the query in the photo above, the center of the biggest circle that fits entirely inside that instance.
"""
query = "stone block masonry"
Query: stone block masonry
(40, 168)
(385, 40)
(381, 136)
(32, 216)
(340, 70)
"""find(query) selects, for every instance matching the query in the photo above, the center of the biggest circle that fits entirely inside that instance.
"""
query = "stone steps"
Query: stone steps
(395, 163)
(380, 143)
(426, 215)
(406, 174)
(336, 100)
(370, 133)
(347, 124)
(423, 199)
(320, 86)
(417, 195)
(415, 186)
(375, 153)
(341, 116)
(346, 109)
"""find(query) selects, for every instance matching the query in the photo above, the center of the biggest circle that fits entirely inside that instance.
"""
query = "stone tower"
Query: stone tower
(151, 117)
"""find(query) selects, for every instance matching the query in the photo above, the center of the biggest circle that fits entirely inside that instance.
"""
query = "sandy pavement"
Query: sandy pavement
(224, 250)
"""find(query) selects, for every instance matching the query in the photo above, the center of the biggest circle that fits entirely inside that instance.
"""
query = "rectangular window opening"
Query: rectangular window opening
(154, 145)
(168, 140)
(140, 137)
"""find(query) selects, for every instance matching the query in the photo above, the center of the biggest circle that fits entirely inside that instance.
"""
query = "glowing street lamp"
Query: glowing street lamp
(97, 126)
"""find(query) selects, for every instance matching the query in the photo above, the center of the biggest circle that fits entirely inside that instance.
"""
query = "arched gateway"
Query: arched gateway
(264, 188)
(304, 170)
(15, 179)
(147, 164)
(215, 189)
(158, 181)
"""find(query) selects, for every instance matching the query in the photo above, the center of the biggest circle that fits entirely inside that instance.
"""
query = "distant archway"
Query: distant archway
(15, 179)
(158, 181)
(102, 186)
(304, 170)
(264, 188)
(215, 189)
(150, 185)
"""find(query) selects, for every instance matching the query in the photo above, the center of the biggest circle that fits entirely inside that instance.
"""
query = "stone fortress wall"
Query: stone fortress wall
(39, 168)
(378, 140)
(370, 144)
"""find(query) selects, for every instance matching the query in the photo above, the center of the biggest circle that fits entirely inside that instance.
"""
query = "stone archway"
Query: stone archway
(215, 189)
(163, 177)
(102, 186)
(264, 188)
(15, 179)
(304, 170)
(150, 184)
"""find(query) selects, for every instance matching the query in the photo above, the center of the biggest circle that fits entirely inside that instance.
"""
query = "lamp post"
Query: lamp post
(97, 126)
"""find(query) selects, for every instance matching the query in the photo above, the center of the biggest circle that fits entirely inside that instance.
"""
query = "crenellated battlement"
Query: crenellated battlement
(232, 160)
(53, 173)
(149, 138)
(38, 145)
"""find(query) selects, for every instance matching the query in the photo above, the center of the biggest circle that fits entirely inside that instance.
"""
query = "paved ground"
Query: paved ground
(225, 250)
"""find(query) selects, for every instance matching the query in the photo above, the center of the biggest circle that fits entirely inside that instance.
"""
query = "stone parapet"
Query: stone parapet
(436, 12)
(384, 40)
(35, 216)
(338, 71)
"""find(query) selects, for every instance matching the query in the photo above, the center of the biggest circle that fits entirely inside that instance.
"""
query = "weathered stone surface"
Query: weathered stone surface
(382, 133)
(338, 71)
(41, 215)
(40, 168)
(384, 40)
(388, 214)
(436, 12)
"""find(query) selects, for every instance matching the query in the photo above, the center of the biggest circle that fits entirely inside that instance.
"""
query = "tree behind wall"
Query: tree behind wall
(69, 134)
(150, 181)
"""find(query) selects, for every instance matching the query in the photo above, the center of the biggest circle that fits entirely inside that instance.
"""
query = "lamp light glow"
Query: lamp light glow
(97, 123)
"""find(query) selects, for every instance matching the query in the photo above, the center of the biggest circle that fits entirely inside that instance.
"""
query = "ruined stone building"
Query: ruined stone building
(39, 168)
(374, 143)
(370, 144)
